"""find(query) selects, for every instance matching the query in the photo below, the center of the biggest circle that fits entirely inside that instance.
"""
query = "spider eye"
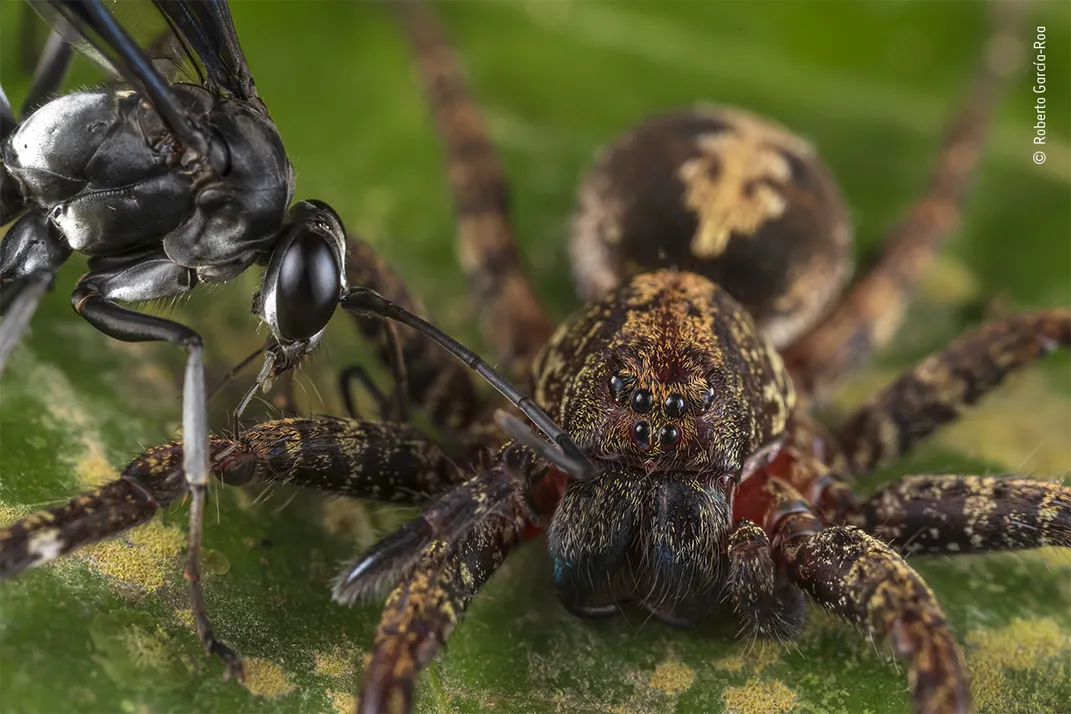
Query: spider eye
(706, 400)
(307, 287)
(642, 401)
(675, 405)
(618, 388)
(641, 434)
(668, 438)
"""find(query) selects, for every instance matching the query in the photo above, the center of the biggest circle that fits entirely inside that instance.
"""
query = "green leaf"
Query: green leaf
(869, 83)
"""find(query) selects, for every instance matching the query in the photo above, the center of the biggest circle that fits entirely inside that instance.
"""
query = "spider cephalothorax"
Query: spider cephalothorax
(665, 373)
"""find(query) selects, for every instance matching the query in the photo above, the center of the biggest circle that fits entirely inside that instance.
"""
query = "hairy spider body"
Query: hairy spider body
(713, 493)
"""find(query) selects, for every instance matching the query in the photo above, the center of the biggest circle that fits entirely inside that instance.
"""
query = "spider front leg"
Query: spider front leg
(422, 611)
(377, 460)
(459, 551)
(863, 580)
(936, 391)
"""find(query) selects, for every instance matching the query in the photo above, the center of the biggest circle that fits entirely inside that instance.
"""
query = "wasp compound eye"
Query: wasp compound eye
(642, 401)
(307, 289)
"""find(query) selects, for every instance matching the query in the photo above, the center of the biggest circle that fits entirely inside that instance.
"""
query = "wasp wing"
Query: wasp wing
(208, 28)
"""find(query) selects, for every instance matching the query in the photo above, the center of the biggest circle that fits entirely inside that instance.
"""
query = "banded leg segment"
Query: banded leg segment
(152, 481)
(455, 552)
(937, 390)
(378, 460)
(969, 514)
(863, 580)
(345, 457)
(511, 318)
(870, 313)
(422, 611)
(434, 380)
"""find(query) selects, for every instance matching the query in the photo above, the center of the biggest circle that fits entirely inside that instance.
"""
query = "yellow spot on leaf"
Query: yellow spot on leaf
(342, 702)
(335, 664)
(10, 514)
(91, 467)
(144, 556)
(1023, 645)
(672, 677)
(759, 697)
(755, 659)
(266, 679)
(949, 281)
(346, 519)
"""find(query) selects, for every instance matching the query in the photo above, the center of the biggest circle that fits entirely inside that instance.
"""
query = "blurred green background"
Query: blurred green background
(869, 83)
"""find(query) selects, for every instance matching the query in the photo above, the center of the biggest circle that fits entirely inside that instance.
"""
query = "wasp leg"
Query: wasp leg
(969, 514)
(871, 312)
(30, 254)
(427, 376)
(91, 302)
(937, 390)
(863, 580)
(512, 319)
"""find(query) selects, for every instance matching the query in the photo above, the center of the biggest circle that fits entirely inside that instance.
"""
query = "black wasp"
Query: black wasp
(163, 185)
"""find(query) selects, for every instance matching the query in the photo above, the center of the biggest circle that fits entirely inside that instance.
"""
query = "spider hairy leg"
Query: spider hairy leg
(442, 522)
(512, 319)
(863, 580)
(152, 481)
(870, 313)
(422, 610)
(969, 514)
(357, 459)
(767, 604)
(937, 390)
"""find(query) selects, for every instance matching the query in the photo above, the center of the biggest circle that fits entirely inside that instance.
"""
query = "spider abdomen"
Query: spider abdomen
(723, 193)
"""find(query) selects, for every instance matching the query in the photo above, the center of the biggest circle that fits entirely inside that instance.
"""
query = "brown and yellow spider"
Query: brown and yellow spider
(711, 491)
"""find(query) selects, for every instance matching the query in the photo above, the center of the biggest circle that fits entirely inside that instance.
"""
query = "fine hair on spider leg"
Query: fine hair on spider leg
(440, 525)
